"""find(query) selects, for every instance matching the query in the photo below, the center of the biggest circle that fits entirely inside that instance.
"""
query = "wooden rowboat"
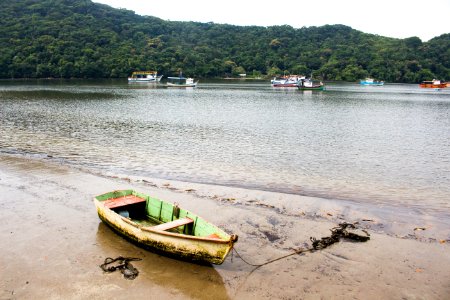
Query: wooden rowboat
(163, 227)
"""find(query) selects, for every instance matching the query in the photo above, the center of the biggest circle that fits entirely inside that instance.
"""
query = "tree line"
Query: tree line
(82, 39)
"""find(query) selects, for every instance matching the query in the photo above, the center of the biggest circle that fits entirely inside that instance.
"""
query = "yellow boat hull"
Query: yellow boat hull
(212, 247)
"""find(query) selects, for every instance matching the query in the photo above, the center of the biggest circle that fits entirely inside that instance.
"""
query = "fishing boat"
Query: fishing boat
(433, 84)
(163, 227)
(309, 84)
(371, 81)
(145, 76)
(277, 80)
(286, 81)
(181, 82)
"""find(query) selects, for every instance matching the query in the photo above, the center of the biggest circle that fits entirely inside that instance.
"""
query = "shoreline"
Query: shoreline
(401, 222)
(51, 229)
(394, 220)
(397, 220)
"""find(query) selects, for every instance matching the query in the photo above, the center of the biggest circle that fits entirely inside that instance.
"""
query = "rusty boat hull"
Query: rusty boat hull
(163, 227)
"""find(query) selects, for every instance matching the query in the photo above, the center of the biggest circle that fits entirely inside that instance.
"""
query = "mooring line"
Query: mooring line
(336, 234)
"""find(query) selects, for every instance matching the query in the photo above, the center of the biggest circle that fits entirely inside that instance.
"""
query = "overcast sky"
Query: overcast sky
(392, 18)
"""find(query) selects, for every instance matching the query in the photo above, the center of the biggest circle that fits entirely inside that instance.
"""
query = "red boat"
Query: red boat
(433, 84)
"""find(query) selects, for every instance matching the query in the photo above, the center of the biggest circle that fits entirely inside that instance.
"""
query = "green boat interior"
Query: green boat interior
(149, 212)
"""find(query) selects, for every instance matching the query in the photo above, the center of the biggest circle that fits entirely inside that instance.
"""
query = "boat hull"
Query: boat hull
(311, 88)
(182, 246)
(433, 86)
(308, 84)
(284, 84)
(181, 85)
(145, 80)
(372, 83)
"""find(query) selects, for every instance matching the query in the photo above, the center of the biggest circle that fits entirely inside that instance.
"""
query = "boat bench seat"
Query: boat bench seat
(173, 224)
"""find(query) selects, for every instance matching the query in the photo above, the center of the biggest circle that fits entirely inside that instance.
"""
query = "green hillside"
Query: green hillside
(82, 39)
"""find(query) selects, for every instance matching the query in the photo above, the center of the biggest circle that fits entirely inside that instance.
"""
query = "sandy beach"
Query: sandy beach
(53, 243)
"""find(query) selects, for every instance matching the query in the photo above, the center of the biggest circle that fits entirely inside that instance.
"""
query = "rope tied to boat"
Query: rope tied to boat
(124, 265)
(337, 233)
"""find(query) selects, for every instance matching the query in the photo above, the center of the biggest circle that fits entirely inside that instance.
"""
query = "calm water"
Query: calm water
(387, 145)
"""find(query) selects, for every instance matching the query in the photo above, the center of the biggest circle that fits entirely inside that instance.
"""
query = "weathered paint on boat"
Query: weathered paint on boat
(198, 241)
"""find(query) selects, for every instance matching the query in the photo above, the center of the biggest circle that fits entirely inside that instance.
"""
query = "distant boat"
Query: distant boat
(145, 76)
(309, 84)
(163, 227)
(286, 81)
(371, 81)
(433, 84)
(181, 82)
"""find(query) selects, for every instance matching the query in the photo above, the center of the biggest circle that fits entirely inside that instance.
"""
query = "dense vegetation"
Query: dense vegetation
(82, 39)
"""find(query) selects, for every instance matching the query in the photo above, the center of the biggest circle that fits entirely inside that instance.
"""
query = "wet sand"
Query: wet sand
(52, 244)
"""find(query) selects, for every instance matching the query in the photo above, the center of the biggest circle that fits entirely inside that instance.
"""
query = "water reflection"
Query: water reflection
(191, 280)
(57, 95)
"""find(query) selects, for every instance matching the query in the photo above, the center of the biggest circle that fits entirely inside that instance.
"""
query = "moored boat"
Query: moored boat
(163, 227)
(286, 81)
(181, 82)
(433, 84)
(145, 76)
(371, 81)
(309, 84)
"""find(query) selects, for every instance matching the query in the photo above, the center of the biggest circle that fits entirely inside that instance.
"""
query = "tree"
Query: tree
(79, 38)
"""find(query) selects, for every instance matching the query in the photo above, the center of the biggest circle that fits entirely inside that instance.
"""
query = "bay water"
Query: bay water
(386, 145)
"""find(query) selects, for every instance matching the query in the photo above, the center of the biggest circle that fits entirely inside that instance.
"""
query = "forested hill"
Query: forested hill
(82, 39)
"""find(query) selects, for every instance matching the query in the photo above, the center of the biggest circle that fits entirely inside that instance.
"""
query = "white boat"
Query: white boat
(286, 81)
(308, 84)
(145, 76)
(181, 82)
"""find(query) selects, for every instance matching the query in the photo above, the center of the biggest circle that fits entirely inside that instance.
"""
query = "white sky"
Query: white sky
(393, 18)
